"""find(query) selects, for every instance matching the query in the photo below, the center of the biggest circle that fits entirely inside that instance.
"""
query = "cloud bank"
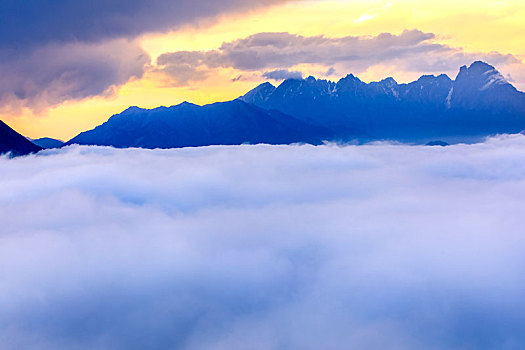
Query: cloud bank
(264, 247)
(412, 51)
(58, 50)
(53, 74)
(30, 24)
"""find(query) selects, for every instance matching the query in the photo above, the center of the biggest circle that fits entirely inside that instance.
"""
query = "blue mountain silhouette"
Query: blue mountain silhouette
(478, 103)
(224, 123)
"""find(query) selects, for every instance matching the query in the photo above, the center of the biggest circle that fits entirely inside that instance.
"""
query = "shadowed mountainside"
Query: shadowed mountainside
(225, 123)
(14, 143)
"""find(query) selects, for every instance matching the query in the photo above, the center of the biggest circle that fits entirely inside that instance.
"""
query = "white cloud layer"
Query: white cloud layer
(264, 247)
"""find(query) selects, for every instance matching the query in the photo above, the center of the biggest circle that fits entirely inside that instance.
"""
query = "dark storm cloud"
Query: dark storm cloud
(33, 23)
(53, 74)
(411, 50)
(264, 247)
(57, 50)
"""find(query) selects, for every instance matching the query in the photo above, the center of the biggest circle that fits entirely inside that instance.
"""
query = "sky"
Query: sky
(67, 66)
(392, 246)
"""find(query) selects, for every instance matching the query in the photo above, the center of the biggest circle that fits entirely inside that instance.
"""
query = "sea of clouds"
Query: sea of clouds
(265, 247)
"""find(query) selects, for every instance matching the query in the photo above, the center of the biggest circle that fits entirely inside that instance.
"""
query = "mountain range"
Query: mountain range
(479, 102)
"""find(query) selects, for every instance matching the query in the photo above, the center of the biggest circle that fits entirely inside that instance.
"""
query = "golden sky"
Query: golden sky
(473, 27)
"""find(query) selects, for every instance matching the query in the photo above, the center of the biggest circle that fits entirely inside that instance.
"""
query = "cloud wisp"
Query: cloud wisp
(264, 247)
(281, 74)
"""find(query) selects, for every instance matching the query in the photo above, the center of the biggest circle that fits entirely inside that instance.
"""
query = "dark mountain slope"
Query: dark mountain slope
(14, 143)
(226, 123)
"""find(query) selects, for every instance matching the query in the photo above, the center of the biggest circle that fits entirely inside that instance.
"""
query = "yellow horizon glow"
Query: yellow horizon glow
(475, 26)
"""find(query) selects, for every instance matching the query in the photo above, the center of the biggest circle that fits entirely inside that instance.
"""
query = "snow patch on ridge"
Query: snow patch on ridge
(494, 78)
(449, 97)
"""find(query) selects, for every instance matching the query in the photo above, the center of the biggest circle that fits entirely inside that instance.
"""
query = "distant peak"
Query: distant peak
(480, 76)
(476, 69)
(350, 78)
(482, 66)
(46, 139)
(259, 94)
(388, 81)
(264, 88)
(444, 77)
(290, 82)
(432, 78)
(132, 109)
(427, 77)
(186, 104)
(265, 85)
